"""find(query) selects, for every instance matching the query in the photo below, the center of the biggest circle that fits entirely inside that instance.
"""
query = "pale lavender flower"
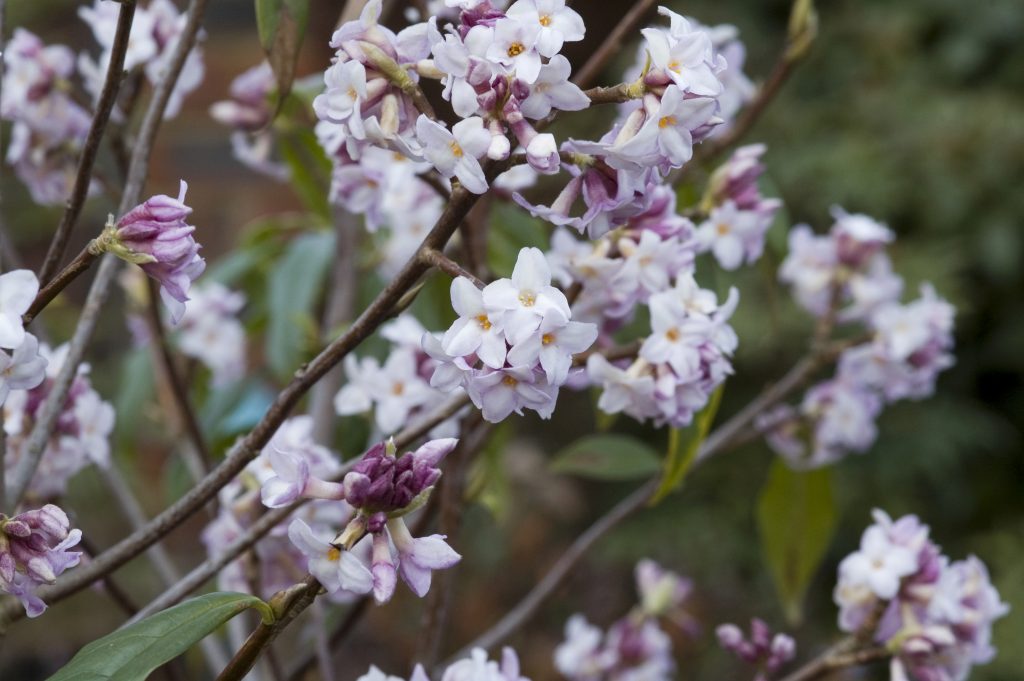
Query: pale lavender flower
(34, 551)
(292, 480)
(418, 558)
(211, 332)
(477, 330)
(553, 90)
(685, 56)
(557, 23)
(526, 298)
(336, 569)
(499, 393)
(454, 153)
(514, 45)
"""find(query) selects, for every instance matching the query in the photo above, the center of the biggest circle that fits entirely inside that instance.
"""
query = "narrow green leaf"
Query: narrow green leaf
(308, 177)
(796, 516)
(608, 456)
(683, 447)
(293, 287)
(282, 25)
(132, 653)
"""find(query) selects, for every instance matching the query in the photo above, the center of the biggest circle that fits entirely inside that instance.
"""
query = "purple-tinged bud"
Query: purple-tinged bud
(33, 551)
(155, 236)
(385, 576)
(762, 648)
(483, 14)
(383, 483)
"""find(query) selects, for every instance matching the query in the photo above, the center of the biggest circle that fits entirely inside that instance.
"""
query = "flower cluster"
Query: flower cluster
(277, 560)
(848, 274)
(381, 488)
(49, 127)
(249, 113)
(766, 652)
(476, 667)
(634, 647)
(682, 362)
(210, 331)
(398, 390)
(512, 346)
(738, 215)
(34, 550)
(80, 437)
(934, 615)
(155, 236)
(22, 367)
(151, 44)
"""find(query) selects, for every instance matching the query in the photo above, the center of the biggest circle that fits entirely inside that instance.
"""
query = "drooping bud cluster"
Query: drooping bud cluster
(380, 488)
(277, 561)
(248, 113)
(211, 332)
(634, 647)
(80, 437)
(937, 615)
(767, 652)
(512, 346)
(397, 391)
(34, 550)
(848, 274)
(155, 236)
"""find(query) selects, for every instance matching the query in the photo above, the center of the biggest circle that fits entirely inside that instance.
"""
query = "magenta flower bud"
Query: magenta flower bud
(155, 236)
(383, 483)
(33, 551)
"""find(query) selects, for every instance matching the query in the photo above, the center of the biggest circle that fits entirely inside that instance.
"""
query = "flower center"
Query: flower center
(510, 381)
(722, 229)
(398, 388)
(674, 66)
(484, 322)
(547, 339)
(527, 298)
(333, 554)
(456, 149)
(545, 19)
(352, 94)
(516, 49)
(666, 121)
(672, 334)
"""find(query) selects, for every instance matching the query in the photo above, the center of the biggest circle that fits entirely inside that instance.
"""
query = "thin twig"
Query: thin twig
(54, 286)
(612, 44)
(83, 176)
(436, 258)
(196, 447)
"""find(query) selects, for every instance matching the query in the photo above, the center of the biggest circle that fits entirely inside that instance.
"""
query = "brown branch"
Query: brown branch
(54, 286)
(436, 258)
(613, 43)
(83, 176)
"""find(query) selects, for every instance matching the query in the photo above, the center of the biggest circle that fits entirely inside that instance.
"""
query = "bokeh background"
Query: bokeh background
(912, 112)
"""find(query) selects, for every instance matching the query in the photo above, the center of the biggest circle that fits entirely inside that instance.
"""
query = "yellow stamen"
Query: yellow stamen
(722, 228)
(667, 121)
(545, 20)
(510, 382)
(547, 339)
(398, 388)
(484, 322)
(672, 334)
(516, 49)
(527, 298)
(333, 554)
(456, 149)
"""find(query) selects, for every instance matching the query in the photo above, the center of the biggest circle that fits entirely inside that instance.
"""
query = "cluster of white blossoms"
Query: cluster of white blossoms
(49, 123)
(476, 667)
(848, 275)
(937, 614)
(211, 332)
(512, 346)
(397, 391)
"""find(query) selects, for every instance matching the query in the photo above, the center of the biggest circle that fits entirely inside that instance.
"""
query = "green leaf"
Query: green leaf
(609, 456)
(293, 288)
(683, 447)
(132, 653)
(282, 25)
(796, 515)
(309, 168)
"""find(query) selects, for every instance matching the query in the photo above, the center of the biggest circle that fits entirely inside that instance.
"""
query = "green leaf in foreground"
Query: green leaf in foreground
(683, 447)
(132, 653)
(796, 516)
(608, 456)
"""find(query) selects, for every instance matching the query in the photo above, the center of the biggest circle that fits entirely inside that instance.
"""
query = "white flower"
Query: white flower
(346, 89)
(553, 90)
(557, 23)
(398, 390)
(418, 558)
(527, 297)
(667, 132)
(23, 369)
(733, 235)
(476, 330)
(18, 288)
(880, 564)
(336, 569)
(455, 152)
(515, 46)
(499, 393)
(554, 344)
(686, 56)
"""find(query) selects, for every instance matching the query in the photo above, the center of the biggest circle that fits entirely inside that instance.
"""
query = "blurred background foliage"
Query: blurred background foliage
(912, 112)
